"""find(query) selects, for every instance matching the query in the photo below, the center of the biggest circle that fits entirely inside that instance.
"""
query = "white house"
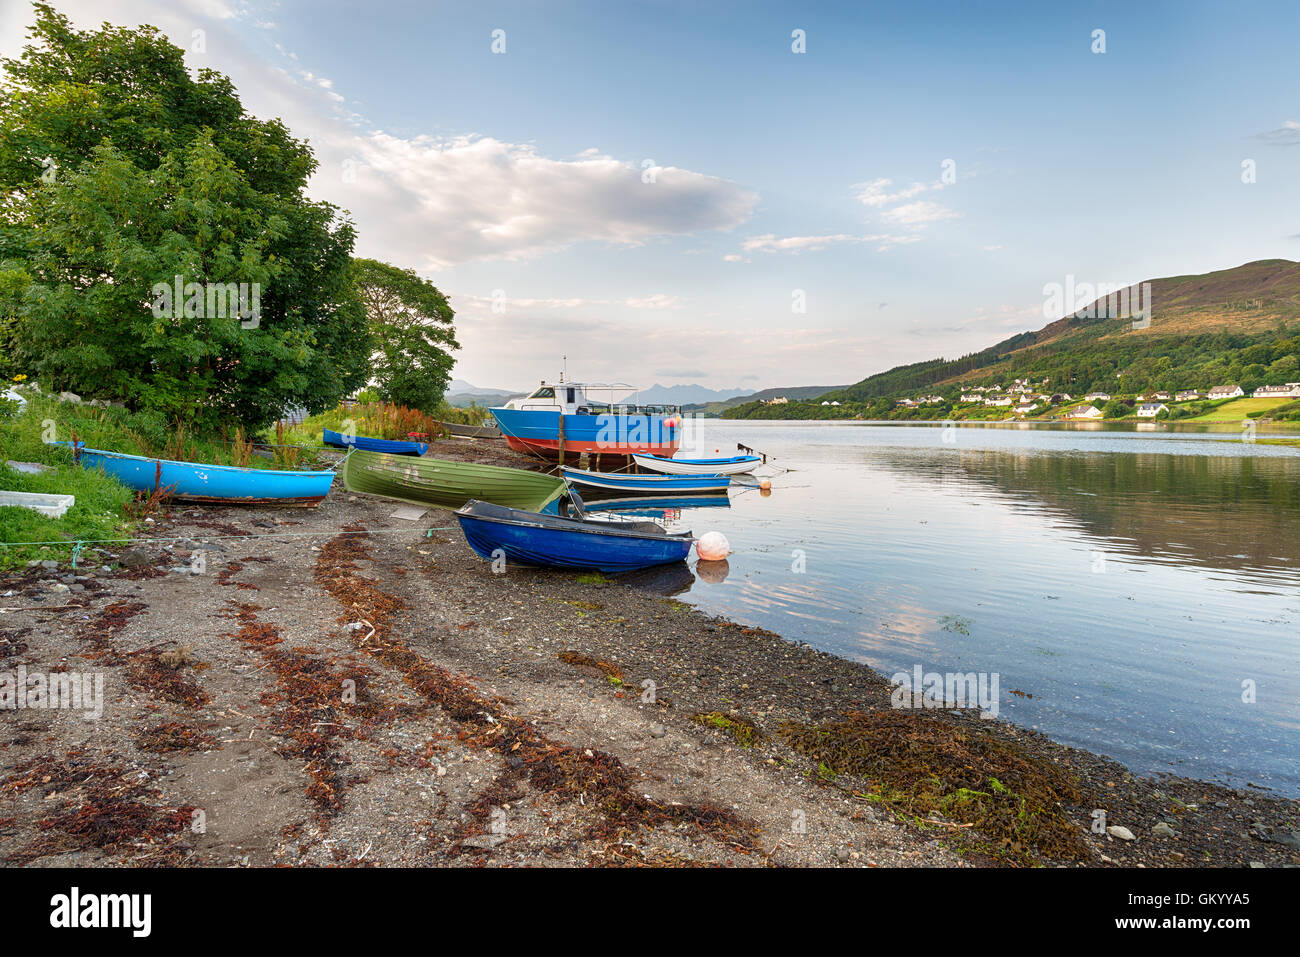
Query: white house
(1026, 408)
(1084, 412)
(1097, 397)
(1149, 410)
(1226, 392)
(1289, 391)
(1004, 400)
(1187, 395)
(971, 397)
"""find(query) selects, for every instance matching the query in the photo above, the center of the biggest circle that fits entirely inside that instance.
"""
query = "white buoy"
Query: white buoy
(713, 547)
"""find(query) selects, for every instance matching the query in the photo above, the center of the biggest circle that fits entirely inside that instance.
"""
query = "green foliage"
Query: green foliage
(411, 325)
(160, 175)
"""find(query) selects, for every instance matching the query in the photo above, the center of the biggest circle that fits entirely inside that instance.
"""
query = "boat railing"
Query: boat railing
(623, 409)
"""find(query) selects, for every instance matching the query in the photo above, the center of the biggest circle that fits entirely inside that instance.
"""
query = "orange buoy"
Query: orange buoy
(713, 547)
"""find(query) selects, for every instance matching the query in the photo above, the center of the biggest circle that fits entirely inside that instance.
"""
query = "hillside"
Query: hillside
(1232, 325)
(794, 392)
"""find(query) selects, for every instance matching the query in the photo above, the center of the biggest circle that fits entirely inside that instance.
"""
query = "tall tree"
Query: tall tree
(120, 172)
(411, 324)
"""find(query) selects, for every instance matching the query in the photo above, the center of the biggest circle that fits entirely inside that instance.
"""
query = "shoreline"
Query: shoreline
(504, 720)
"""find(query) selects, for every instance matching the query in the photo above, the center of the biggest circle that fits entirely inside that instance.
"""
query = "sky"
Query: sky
(670, 192)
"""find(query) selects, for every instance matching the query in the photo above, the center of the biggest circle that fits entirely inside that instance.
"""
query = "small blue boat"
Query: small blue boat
(658, 484)
(209, 484)
(367, 444)
(555, 541)
(649, 506)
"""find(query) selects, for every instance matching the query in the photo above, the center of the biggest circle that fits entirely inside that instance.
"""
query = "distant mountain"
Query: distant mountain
(462, 395)
(460, 386)
(684, 394)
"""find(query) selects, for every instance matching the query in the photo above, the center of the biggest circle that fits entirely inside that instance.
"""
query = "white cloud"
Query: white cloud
(876, 192)
(472, 197)
(796, 244)
(921, 213)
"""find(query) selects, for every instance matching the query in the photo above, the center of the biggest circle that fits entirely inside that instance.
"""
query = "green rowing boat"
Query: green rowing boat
(426, 481)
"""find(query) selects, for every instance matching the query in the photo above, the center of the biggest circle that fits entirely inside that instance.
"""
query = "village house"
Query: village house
(1060, 397)
(1225, 392)
(996, 400)
(1026, 408)
(1149, 410)
(1097, 397)
(776, 400)
(1289, 391)
(1084, 412)
(1187, 395)
(1162, 396)
(906, 403)
(971, 396)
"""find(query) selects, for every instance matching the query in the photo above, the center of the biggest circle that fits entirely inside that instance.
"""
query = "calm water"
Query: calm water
(1129, 581)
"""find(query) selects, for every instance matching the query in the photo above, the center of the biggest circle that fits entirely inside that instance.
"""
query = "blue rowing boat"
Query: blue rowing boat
(555, 541)
(208, 484)
(367, 444)
(658, 484)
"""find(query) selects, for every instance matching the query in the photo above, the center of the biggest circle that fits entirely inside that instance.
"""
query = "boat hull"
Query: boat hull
(653, 484)
(211, 484)
(523, 542)
(735, 465)
(429, 481)
(538, 431)
(368, 444)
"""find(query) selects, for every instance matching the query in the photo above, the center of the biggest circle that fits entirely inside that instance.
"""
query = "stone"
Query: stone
(1162, 829)
(134, 556)
(1123, 833)
(658, 731)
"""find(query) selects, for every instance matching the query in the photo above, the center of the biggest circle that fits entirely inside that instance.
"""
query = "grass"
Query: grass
(1238, 409)
(98, 514)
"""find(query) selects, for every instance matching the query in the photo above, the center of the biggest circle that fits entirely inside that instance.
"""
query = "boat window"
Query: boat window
(546, 392)
(570, 391)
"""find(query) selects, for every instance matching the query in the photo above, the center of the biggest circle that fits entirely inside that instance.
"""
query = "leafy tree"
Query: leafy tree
(411, 324)
(120, 173)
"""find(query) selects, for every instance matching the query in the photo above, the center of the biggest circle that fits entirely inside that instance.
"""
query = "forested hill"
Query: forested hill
(1228, 325)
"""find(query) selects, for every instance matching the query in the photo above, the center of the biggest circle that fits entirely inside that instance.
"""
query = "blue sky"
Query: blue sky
(516, 179)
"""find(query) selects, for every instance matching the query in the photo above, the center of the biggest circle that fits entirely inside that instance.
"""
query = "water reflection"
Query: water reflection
(1129, 582)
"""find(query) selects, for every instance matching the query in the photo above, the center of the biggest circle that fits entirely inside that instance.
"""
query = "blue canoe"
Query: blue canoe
(658, 484)
(529, 538)
(209, 484)
(367, 444)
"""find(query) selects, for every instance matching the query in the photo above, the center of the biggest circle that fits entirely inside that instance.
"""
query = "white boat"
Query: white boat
(735, 465)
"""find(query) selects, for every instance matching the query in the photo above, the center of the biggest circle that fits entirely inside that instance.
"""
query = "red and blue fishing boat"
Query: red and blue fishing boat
(208, 484)
(342, 440)
(568, 418)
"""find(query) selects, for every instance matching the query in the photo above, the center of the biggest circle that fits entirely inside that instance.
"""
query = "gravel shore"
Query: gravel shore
(340, 686)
